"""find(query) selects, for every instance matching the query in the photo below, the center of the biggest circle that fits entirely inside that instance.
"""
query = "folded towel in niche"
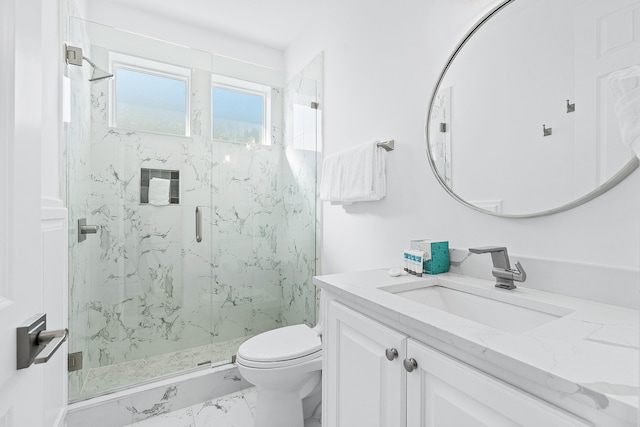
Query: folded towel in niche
(159, 191)
(354, 175)
(625, 87)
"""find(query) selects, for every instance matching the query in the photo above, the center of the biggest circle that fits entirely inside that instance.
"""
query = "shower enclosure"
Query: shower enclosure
(170, 286)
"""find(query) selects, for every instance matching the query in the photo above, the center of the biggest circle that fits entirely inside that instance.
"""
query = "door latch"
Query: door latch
(35, 344)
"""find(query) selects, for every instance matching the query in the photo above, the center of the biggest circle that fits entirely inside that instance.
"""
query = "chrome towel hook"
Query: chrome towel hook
(571, 107)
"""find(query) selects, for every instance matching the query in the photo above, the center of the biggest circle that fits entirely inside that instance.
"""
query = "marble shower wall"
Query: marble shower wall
(143, 286)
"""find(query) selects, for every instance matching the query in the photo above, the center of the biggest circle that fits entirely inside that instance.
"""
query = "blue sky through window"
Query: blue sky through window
(148, 90)
(238, 106)
(237, 115)
(150, 102)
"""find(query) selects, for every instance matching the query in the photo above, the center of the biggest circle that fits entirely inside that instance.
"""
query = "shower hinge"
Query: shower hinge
(73, 55)
(75, 361)
(315, 105)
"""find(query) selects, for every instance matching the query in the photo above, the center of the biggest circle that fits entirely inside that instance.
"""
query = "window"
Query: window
(240, 111)
(149, 96)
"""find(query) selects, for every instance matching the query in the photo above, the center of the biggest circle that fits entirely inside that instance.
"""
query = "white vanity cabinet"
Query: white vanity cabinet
(366, 384)
(443, 392)
(362, 387)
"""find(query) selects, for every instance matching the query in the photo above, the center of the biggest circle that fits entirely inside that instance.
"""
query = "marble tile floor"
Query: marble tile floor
(233, 410)
(120, 375)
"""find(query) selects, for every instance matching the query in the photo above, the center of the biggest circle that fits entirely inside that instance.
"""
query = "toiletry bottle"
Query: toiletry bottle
(406, 260)
(412, 269)
(411, 263)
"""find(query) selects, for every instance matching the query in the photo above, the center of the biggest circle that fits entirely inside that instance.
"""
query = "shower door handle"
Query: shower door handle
(198, 224)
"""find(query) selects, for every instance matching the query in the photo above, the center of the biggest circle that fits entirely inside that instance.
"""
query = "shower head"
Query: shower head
(73, 56)
(97, 73)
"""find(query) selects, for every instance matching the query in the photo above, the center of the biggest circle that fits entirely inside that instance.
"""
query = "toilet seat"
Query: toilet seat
(288, 346)
(290, 363)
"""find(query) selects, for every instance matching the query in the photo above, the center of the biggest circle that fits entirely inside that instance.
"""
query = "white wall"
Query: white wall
(205, 39)
(381, 63)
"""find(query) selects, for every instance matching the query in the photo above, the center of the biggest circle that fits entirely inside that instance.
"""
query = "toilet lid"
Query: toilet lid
(290, 342)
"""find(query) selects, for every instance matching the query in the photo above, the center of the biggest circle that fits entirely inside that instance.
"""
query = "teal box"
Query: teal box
(439, 262)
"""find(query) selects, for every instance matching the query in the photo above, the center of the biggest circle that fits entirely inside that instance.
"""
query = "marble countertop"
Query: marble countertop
(590, 354)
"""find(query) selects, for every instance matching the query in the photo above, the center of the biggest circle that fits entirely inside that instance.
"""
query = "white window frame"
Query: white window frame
(252, 88)
(155, 68)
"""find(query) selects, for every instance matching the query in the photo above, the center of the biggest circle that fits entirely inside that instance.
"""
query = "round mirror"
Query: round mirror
(522, 122)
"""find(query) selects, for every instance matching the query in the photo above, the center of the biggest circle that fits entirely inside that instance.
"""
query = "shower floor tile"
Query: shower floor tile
(232, 410)
(121, 375)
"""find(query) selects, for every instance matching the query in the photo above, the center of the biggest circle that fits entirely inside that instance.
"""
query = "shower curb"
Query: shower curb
(139, 403)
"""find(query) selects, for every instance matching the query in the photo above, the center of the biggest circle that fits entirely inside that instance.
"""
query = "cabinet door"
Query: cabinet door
(362, 387)
(443, 392)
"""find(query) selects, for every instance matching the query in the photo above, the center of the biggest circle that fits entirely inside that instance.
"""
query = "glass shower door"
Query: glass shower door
(140, 288)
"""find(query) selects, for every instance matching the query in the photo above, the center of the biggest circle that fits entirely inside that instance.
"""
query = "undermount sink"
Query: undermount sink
(499, 310)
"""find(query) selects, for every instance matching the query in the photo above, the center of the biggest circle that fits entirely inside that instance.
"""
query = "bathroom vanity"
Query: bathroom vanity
(453, 350)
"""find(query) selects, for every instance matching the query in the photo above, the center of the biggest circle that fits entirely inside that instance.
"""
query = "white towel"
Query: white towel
(331, 180)
(159, 191)
(625, 87)
(354, 175)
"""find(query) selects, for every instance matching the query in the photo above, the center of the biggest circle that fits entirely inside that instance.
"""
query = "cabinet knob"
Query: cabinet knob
(391, 353)
(410, 364)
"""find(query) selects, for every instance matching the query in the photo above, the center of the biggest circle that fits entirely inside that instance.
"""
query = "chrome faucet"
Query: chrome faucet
(501, 268)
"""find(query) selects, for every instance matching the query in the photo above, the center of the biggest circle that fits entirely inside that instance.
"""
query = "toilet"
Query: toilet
(285, 365)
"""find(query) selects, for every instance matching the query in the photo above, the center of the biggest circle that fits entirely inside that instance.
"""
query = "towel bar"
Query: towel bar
(387, 145)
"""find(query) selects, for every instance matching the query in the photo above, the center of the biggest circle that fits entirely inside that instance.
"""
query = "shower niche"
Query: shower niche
(172, 187)
(147, 300)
